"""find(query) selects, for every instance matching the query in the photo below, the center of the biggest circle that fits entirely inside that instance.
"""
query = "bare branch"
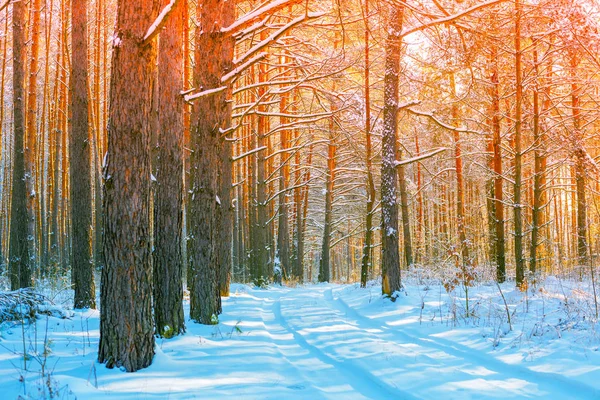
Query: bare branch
(450, 18)
(421, 157)
(257, 14)
(275, 35)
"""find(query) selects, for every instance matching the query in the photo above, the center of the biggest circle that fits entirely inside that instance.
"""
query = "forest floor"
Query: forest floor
(334, 342)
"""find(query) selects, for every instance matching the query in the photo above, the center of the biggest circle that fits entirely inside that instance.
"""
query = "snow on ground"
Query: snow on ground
(335, 342)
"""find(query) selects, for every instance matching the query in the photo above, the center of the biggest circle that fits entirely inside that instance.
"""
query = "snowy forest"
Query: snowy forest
(299, 199)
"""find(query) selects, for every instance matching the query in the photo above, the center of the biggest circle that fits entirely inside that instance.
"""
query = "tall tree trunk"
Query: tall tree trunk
(225, 208)
(539, 177)
(81, 189)
(210, 116)
(499, 242)
(580, 166)
(31, 124)
(406, 234)
(3, 158)
(283, 233)
(126, 326)
(517, 206)
(367, 261)
(325, 264)
(260, 240)
(168, 206)
(19, 256)
(390, 262)
(460, 189)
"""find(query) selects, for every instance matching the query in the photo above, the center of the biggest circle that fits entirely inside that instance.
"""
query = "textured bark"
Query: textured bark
(168, 203)
(126, 326)
(209, 116)
(460, 187)
(517, 207)
(366, 261)
(499, 246)
(3, 208)
(580, 166)
(325, 264)
(283, 233)
(225, 208)
(539, 178)
(260, 241)
(406, 234)
(81, 189)
(31, 134)
(390, 260)
(301, 212)
(19, 257)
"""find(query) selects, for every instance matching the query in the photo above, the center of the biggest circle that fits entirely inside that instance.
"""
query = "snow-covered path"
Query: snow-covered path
(323, 341)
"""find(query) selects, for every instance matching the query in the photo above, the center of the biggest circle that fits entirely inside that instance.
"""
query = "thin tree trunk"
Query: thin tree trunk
(517, 206)
(539, 177)
(225, 208)
(367, 260)
(458, 165)
(325, 264)
(31, 124)
(260, 250)
(283, 233)
(499, 245)
(580, 167)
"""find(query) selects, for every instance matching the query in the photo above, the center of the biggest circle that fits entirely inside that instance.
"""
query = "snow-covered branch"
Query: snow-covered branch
(257, 14)
(450, 18)
(421, 157)
(248, 153)
(275, 35)
(6, 3)
(191, 97)
(238, 70)
(160, 21)
(439, 122)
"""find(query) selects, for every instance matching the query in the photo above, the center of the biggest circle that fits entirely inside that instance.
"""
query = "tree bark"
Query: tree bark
(325, 264)
(460, 189)
(580, 166)
(225, 208)
(168, 206)
(517, 206)
(367, 261)
(210, 115)
(31, 139)
(80, 152)
(283, 233)
(499, 242)
(19, 256)
(126, 326)
(390, 263)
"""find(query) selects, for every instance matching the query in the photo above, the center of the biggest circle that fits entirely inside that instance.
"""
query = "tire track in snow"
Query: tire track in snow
(361, 380)
(310, 384)
(551, 382)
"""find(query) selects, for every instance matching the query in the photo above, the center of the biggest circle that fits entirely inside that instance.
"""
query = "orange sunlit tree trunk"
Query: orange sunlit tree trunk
(19, 252)
(168, 205)
(126, 326)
